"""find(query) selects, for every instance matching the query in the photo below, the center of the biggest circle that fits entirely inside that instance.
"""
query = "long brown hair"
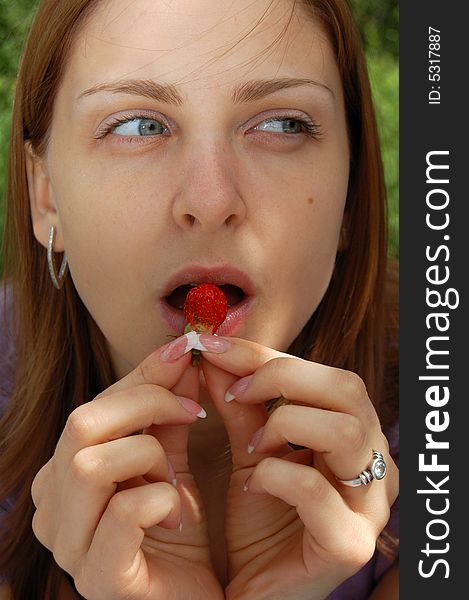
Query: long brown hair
(61, 355)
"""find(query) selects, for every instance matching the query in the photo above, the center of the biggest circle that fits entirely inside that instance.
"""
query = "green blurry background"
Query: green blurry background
(378, 21)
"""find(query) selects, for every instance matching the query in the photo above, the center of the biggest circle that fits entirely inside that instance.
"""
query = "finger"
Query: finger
(90, 482)
(299, 381)
(165, 365)
(162, 367)
(240, 420)
(341, 437)
(137, 400)
(40, 482)
(372, 499)
(174, 439)
(334, 531)
(307, 383)
(344, 445)
(118, 415)
(241, 357)
(110, 418)
(115, 555)
(115, 417)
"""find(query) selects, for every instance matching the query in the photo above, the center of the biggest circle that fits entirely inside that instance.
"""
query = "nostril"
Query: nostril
(190, 220)
(229, 220)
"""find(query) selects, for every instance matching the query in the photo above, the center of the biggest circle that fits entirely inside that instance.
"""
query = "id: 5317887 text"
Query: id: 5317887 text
(434, 67)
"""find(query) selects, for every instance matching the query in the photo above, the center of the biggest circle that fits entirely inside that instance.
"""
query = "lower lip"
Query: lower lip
(235, 318)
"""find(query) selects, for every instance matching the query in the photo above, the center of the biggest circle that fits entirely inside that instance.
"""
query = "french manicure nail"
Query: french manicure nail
(194, 341)
(246, 484)
(172, 474)
(238, 388)
(213, 343)
(175, 349)
(182, 345)
(192, 407)
(255, 440)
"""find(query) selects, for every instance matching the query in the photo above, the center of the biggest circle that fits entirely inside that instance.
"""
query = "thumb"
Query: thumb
(241, 420)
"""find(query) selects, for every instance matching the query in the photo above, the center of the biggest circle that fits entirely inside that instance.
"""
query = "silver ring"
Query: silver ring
(377, 470)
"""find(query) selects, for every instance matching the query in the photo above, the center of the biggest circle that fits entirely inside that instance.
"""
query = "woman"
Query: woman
(157, 146)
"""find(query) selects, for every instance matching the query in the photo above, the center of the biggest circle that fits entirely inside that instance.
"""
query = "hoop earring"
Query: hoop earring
(57, 280)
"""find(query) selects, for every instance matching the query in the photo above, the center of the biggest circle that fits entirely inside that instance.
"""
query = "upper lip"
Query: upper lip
(218, 275)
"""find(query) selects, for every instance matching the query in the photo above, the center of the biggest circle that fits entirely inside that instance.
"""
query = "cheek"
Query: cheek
(110, 217)
(100, 200)
(303, 257)
(320, 228)
(307, 230)
(112, 234)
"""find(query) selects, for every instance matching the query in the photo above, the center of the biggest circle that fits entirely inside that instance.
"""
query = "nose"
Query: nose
(208, 197)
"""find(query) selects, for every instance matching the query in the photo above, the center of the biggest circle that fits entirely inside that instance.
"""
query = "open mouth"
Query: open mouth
(233, 293)
(240, 292)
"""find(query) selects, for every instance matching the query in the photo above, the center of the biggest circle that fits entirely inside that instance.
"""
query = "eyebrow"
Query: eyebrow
(250, 91)
(258, 89)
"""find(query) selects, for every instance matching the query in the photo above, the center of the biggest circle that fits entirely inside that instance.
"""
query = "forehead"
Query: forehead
(198, 45)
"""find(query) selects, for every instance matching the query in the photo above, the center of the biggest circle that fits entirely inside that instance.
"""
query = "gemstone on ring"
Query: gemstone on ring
(377, 470)
(378, 467)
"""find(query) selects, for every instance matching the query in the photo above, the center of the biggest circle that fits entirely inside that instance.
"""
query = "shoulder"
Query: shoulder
(7, 346)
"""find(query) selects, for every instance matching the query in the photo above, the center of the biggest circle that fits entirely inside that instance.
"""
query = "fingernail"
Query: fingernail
(246, 484)
(171, 474)
(174, 349)
(213, 343)
(255, 440)
(192, 407)
(194, 341)
(180, 526)
(238, 388)
(191, 341)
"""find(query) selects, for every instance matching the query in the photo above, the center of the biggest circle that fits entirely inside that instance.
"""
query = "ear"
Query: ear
(41, 199)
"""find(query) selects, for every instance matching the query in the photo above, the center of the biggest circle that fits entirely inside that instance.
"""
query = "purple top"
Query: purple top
(357, 587)
(7, 361)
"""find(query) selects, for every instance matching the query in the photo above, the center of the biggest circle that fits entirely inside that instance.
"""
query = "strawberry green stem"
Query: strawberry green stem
(196, 354)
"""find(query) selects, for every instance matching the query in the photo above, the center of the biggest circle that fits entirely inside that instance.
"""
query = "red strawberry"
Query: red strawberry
(205, 310)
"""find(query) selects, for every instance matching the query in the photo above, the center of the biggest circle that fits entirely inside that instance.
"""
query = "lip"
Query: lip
(223, 274)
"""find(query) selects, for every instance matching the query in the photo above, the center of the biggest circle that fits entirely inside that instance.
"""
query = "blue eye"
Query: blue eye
(139, 126)
(289, 125)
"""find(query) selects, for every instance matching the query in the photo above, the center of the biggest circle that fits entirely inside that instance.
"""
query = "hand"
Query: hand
(105, 504)
(297, 532)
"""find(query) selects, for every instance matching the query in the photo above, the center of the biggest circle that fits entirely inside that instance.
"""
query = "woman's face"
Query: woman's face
(198, 135)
